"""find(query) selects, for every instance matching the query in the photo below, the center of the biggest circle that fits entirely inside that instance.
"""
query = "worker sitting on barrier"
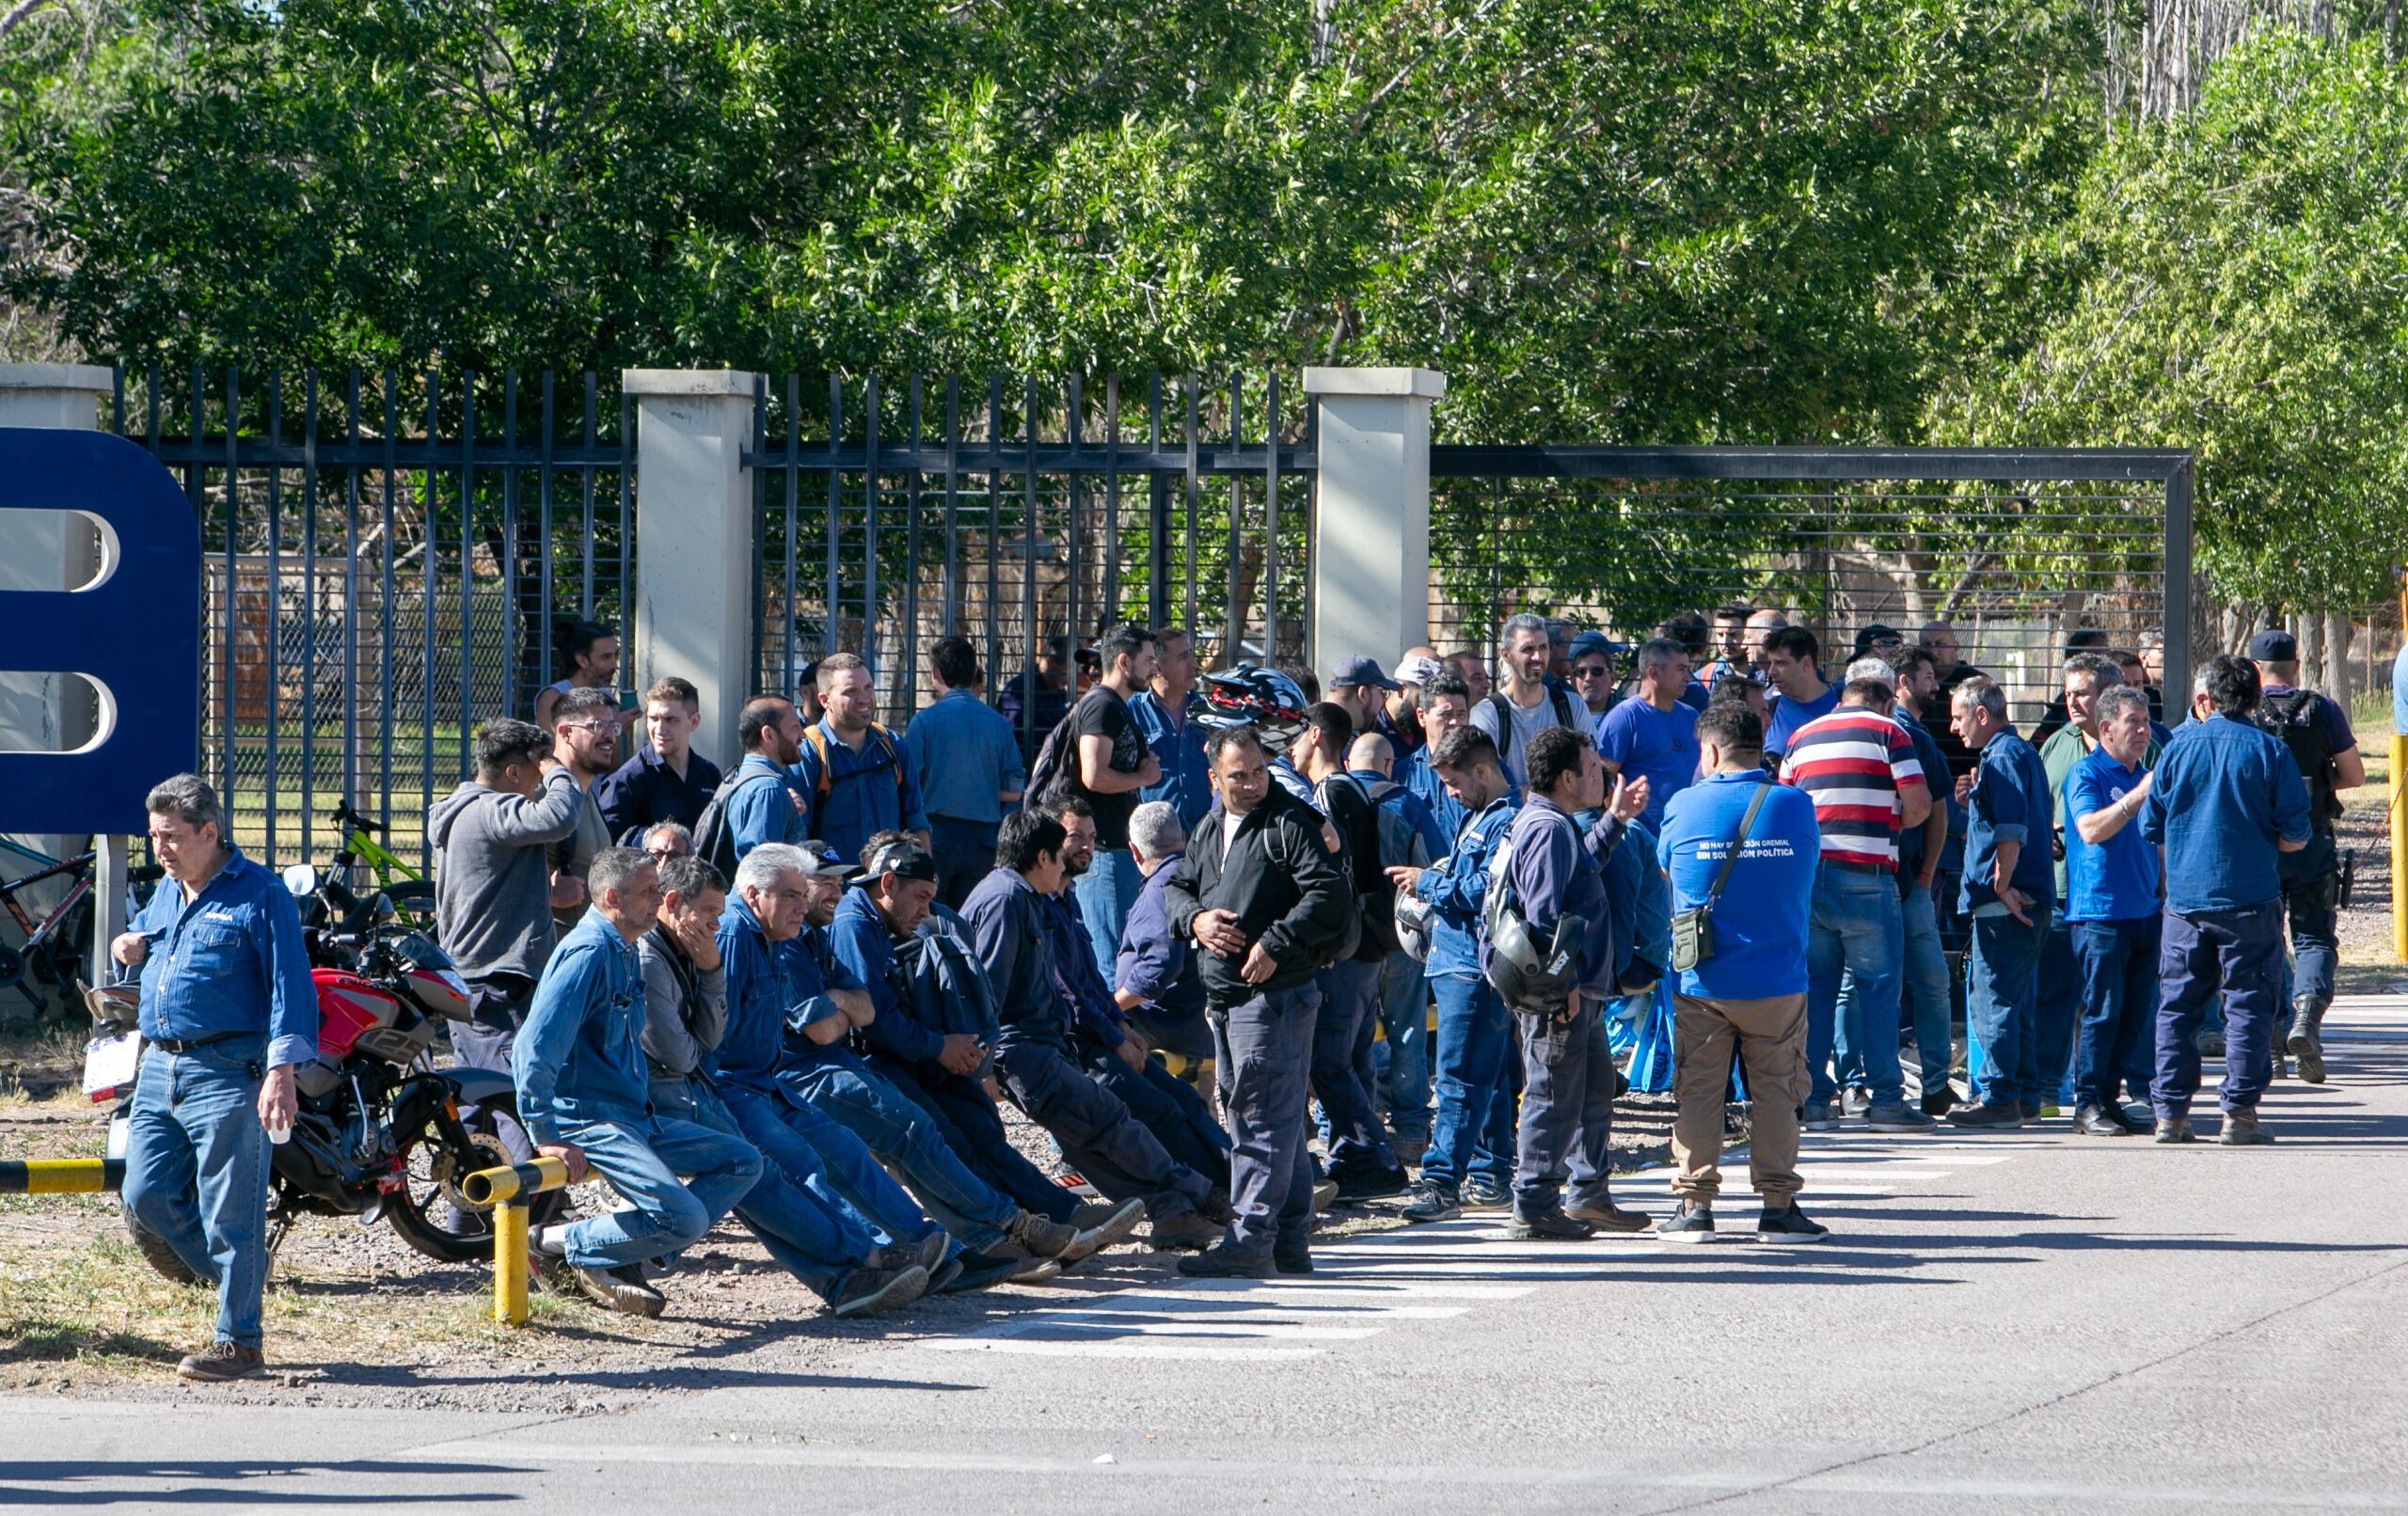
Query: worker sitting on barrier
(583, 1094)
(227, 1010)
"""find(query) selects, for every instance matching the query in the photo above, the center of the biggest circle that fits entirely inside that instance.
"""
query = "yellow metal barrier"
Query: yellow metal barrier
(504, 1191)
(61, 1175)
(2399, 848)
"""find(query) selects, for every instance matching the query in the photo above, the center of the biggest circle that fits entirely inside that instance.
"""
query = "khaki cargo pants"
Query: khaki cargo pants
(1770, 1036)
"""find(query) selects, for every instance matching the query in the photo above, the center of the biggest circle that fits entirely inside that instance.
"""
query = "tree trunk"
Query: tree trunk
(2336, 655)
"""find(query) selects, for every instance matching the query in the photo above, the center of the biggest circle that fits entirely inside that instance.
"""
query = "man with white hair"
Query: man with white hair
(1525, 704)
(1154, 978)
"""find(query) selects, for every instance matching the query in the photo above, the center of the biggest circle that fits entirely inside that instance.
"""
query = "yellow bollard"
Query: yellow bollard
(2399, 848)
(515, 1181)
(61, 1175)
(510, 1263)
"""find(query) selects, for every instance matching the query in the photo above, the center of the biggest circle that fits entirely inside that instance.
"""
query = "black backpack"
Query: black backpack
(1356, 821)
(714, 839)
(1046, 773)
(2294, 719)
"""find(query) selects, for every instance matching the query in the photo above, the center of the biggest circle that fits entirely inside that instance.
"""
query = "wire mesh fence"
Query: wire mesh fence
(2025, 555)
(1027, 516)
(388, 559)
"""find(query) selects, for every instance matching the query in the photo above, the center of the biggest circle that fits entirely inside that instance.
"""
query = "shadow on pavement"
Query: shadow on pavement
(87, 1482)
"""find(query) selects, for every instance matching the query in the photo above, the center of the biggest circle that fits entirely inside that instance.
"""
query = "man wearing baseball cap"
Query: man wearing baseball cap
(1359, 686)
(2317, 731)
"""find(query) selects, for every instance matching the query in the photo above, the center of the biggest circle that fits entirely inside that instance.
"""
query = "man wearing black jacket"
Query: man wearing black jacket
(1268, 905)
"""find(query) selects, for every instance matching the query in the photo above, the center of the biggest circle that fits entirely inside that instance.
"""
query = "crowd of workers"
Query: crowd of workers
(803, 989)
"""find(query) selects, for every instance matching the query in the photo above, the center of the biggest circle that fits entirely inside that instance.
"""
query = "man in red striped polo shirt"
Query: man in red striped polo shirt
(1859, 768)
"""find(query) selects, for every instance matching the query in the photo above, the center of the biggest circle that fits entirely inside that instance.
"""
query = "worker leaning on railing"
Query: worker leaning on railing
(227, 1011)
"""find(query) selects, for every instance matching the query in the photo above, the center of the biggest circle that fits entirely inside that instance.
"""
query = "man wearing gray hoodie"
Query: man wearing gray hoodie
(493, 839)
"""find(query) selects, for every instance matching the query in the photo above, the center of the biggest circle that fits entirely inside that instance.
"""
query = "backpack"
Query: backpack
(2294, 720)
(1504, 709)
(1363, 850)
(1046, 773)
(827, 783)
(940, 981)
(714, 838)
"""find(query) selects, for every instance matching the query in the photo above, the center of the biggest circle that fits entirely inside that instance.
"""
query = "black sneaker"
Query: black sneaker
(1297, 1261)
(1692, 1222)
(1433, 1202)
(2139, 1125)
(1790, 1224)
(1822, 1117)
(2240, 1130)
(980, 1270)
(1987, 1116)
(222, 1362)
(1035, 1272)
(1218, 1262)
(878, 1290)
(2175, 1129)
(2094, 1121)
(1548, 1226)
(1939, 1102)
(1371, 1184)
(1095, 1236)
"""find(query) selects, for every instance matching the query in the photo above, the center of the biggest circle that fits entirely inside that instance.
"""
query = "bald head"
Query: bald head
(1372, 751)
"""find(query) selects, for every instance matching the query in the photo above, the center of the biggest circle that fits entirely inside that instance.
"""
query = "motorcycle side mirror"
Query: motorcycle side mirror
(301, 880)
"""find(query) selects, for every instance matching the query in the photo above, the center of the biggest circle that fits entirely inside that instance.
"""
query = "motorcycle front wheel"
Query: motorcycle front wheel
(426, 1211)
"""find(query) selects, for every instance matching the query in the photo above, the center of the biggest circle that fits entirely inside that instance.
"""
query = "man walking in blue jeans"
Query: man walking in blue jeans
(2225, 803)
(227, 1010)
(2112, 911)
(584, 1094)
(1859, 767)
(2009, 888)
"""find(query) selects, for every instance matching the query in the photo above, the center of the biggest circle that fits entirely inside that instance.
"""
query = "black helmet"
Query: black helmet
(1251, 695)
(1530, 976)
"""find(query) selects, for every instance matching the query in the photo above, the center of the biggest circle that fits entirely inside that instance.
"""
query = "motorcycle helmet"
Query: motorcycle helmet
(1250, 694)
(1530, 976)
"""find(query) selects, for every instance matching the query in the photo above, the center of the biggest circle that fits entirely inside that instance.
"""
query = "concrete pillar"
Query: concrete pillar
(41, 710)
(694, 530)
(1371, 512)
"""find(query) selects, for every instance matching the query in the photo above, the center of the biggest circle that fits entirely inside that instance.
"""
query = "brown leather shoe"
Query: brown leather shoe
(222, 1362)
(1608, 1217)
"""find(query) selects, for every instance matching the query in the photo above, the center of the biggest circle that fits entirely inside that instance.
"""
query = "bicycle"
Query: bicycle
(411, 892)
(53, 950)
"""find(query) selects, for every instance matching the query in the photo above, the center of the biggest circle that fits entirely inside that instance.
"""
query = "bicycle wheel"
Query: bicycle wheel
(413, 901)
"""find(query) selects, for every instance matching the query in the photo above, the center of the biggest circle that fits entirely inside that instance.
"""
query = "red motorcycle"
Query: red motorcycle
(382, 1134)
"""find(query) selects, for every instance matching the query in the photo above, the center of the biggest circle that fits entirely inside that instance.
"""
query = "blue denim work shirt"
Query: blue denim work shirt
(868, 792)
(1092, 1007)
(1154, 963)
(762, 992)
(760, 810)
(2009, 803)
(1007, 923)
(1457, 887)
(963, 756)
(1556, 875)
(1417, 813)
(858, 940)
(2224, 792)
(229, 963)
(580, 1058)
(1178, 745)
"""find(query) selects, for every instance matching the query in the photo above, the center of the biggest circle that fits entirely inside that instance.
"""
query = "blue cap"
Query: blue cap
(1362, 671)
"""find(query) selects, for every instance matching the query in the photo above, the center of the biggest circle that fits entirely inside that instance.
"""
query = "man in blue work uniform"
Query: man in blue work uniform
(852, 773)
(1793, 665)
(1567, 1107)
(2111, 910)
(1034, 1060)
(666, 779)
(2225, 803)
(760, 803)
(2317, 731)
(965, 759)
(1164, 712)
(1445, 705)
(2009, 888)
(227, 1010)
(584, 1095)
(1737, 836)
(935, 1068)
(1265, 901)
(1652, 736)
(817, 1237)
(1154, 980)
(1400, 1062)
(1921, 852)
(1475, 1035)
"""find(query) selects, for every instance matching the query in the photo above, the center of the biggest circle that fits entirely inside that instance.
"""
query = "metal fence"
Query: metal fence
(1026, 515)
(2020, 550)
(389, 558)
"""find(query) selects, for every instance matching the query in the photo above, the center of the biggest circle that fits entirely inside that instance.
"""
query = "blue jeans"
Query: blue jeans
(2118, 962)
(2060, 1012)
(965, 854)
(1926, 981)
(1855, 929)
(2002, 1003)
(849, 1178)
(817, 1243)
(643, 1157)
(843, 1089)
(966, 1117)
(1113, 1149)
(1474, 1036)
(196, 1170)
(1104, 893)
(1264, 1045)
(1567, 1112)
(2311, 882)
(1349, 997)
(1405, 1019)
(2238, 953)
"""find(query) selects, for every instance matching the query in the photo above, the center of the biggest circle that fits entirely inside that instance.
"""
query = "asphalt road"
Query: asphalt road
(2027, 1323)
